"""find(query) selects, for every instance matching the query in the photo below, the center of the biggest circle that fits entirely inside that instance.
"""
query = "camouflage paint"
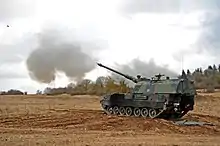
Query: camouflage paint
(163, 96)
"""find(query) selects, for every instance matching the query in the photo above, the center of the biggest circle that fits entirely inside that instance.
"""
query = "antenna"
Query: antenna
(182, 60)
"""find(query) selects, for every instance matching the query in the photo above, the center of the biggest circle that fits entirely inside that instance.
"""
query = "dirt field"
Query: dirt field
(78, 120)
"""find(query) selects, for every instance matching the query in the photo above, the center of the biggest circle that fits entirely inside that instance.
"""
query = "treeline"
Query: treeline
(101, 86)
(13, 92)
(207, 79)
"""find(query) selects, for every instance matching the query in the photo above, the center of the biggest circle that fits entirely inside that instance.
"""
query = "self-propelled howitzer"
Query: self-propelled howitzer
(156, 97)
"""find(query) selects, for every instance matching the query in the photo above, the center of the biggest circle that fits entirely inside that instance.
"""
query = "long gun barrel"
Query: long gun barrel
(124, 75)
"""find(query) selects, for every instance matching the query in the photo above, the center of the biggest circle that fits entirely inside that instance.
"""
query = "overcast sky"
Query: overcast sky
(48, 40)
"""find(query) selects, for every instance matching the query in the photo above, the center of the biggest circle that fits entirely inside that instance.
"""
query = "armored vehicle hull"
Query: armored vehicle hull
(126, 105)
(168, 98)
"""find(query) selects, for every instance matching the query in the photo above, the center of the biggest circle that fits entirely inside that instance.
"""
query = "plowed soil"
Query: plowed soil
(79, 120)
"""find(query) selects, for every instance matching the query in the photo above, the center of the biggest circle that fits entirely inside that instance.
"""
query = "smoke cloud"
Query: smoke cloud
(54, 54)
(145, 69)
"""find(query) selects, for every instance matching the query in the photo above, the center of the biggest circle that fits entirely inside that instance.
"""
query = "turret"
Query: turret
(135, 80)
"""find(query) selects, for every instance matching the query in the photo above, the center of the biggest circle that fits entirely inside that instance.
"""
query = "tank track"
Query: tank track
(144, 112)
(131, 111)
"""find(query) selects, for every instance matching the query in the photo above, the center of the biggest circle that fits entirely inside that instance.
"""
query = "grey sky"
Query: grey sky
(10, 9)
(167, 6)
(209, 39)
(83, 44)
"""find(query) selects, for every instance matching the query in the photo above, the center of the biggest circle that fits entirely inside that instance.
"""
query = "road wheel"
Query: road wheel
(137, 112)
(110, 110)
(122, 111)
(144, 112)
(128, 111)
(152, 113)
(116, 110)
